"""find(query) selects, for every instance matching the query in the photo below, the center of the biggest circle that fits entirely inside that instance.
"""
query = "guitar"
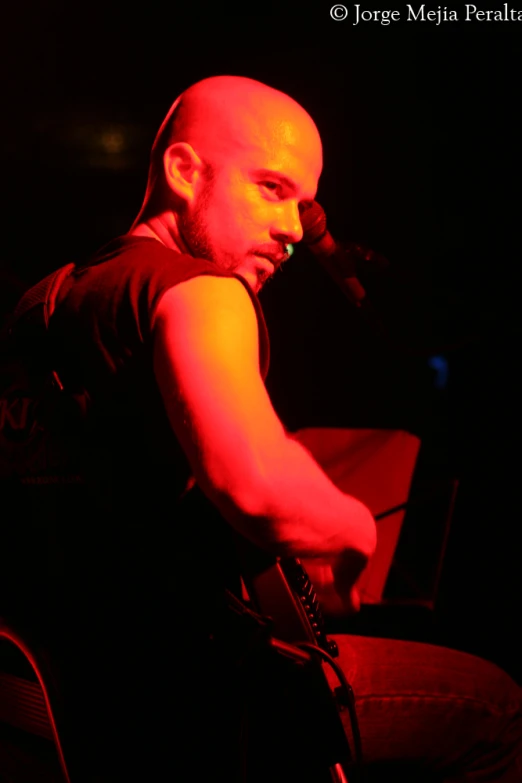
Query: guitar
(283, 591)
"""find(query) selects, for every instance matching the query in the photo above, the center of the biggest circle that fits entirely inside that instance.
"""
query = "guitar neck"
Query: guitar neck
(282, 590)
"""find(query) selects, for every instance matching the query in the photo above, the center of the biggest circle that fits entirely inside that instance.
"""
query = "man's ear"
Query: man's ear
(183, 169)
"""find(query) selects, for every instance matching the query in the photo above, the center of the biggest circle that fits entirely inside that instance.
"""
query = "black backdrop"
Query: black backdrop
(422, 163)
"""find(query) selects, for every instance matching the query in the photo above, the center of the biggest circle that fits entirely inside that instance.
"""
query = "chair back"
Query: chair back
(29, 697)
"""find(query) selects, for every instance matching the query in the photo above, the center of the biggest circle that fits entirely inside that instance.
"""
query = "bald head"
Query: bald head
(226, 117)
(225, 113)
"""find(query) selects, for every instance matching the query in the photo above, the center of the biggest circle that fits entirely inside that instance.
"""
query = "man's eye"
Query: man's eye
(272, 186)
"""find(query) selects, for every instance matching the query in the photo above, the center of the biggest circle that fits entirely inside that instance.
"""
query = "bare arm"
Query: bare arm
(264, 483)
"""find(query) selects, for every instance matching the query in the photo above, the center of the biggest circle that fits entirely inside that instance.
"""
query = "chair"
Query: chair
(29, 698)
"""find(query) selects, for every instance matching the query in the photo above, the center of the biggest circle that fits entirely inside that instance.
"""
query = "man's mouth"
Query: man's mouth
(275, 259)
(267, 263)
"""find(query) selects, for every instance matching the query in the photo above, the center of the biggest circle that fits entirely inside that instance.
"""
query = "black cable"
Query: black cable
(414, 500)
(348, 691)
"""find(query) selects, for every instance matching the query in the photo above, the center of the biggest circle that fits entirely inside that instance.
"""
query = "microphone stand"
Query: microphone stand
(341, 262)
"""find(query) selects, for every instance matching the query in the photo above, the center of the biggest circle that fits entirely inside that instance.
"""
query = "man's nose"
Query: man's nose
(288, 229)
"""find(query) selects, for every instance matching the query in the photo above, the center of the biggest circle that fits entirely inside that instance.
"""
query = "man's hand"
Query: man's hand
(335, 580)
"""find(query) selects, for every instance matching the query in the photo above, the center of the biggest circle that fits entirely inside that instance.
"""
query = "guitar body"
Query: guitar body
(282, 591)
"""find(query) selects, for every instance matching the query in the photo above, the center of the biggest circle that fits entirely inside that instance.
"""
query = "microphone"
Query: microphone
(340, 261)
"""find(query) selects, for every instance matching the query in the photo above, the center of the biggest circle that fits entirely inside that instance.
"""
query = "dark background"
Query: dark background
(422, 163)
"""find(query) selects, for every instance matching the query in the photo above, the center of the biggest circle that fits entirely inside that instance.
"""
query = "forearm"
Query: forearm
(287, 505)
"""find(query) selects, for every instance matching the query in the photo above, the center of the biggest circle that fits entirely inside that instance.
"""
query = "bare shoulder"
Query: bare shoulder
(205, 298)
(207, 321)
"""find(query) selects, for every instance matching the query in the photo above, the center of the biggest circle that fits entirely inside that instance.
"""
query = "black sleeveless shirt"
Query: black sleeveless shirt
(149, 540)
(126, 568)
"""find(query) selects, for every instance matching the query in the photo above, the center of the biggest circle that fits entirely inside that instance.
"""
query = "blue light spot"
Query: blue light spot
(440, 365)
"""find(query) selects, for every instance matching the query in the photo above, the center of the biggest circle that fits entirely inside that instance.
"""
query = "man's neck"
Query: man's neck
(163, 228)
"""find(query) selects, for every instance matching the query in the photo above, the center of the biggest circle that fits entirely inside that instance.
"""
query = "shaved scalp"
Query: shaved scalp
(222, 115)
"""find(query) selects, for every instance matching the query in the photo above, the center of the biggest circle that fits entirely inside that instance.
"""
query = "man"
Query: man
(232, 197)
(164, 324)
